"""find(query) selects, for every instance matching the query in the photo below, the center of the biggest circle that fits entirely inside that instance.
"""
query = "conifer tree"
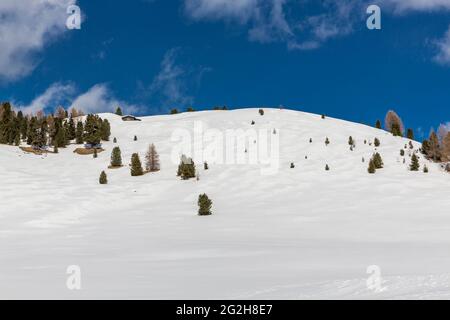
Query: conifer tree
(261, 112)
(136, 165)
(135, 138)
(92, 130)
(79, 133)
(292, 165)
(378, 161)
(205, 165)
(414, 166)
(105, 130)
(327, 168)
(378, 124)
(327, 141)
(402, 152)
(376, 142)
(152, 159)
(115, 140)
(394, 124)
(434, 149)
(174, 111)
(425, 168)
(350, 141)
(119, 111)
(116, 157)
(103, 178)
(204, 205)
(371, 169)
(186, 168)
(410, 134)
(95, 155)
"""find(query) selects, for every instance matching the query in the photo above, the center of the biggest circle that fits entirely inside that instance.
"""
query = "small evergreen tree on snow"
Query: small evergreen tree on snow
(327, 141)
(115, 140)
(378, 124)
(322, 116)
(377, 161)
(376, 142)
(425, 168)
(350, 141)
(253, 122)
(292, 165)
(152, 159)
(116, 157)
(310, 140)
(410, 134)
(79, 133)
(119, 111)
(174, 111)
(411, 146)
(95, 155)
(414, 166)
(204, 205)
(371, 169)
(103, 178)
(261, 112)
(402, 152)
(135, 138)
(205, 165)
(186, 168)
(136, 166)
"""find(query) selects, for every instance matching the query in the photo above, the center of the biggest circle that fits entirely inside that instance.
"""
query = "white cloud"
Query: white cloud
(443, 47)
(55, 95)
(26, 27)
(416, 5)
(98, 99)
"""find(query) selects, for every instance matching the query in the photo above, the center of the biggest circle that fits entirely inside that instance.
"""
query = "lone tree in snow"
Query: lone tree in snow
(205, 165)
(414, 166)
(376, 142)
(402, 152)
(377, 161)
(425, 168)
(103, 178)
(174, 111)
(410, 134)
(186, 168)
(135, 138)
(119, 111)
(204, 205)
(116, 157)
(327, 141)
(378, 124)
(350, 141)
(152, 159)
(136, 166)
(327, 168)
(371, 169)
(292, 165)
(261, 112)
(394, 124)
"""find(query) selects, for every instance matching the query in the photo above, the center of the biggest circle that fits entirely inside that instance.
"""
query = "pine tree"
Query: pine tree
(261, 112)
(152, 159)
(135, 138)
(119, 111)
(414, 166)
(327, 141)
(105, 130)
(376, 142)
(186, 168)
(103, 178)
(446, 147)
(136, 166)
(116, 157)
(434, 149)
(92, 130)
(350, 141)
(322, 116)
(205, 165)
(410, 134)
(425, 168)
(174, 111)
(310, 140)
(378, 124)
(115, 140)
(402, 152)
(327, 168)
(371, 169)
(190, 109)
(377, 161)
(292, 165)
(204, 205)
(95, 155)
(79, 133)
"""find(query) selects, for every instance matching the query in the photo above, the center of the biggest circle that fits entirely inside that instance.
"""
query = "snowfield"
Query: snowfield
(302, 233)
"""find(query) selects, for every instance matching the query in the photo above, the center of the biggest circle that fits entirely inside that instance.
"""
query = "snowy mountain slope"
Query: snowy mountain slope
(297, 233)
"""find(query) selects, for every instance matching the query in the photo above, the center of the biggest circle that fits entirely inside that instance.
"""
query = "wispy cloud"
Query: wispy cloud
(26, 27)
(443, 47)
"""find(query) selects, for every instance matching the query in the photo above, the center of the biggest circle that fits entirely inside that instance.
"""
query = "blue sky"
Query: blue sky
(152, 55)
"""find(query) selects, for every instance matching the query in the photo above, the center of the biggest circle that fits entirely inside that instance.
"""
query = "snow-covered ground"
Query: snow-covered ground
(300, 233)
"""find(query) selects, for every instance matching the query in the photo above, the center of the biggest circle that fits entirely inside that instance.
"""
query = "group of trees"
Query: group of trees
(437, 146)
(56, 130)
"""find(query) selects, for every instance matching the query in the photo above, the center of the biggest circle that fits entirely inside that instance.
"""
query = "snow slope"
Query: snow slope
(300, 233)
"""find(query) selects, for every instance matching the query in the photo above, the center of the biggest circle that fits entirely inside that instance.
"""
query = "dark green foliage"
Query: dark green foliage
(119, 111)
(79, 133)
(103, 178)
(327, 168)
(377, 161)
(205, 165)
(310, 140)
(350, 141)
(378, 124)
(396, 130)
(292, 165)
(174, 111)
(105, 130)
(135, 138)
(425, 168)
(204, 205)
(402, 152)
(186, 168)
(95, 154)
(371, 169)
(116, 157)
(261, 112)
(411, 146)
(253, 122)
(414, 166)
(327, 141)
(136, 166)
(92, 129)
(376, 142)
(410, 134)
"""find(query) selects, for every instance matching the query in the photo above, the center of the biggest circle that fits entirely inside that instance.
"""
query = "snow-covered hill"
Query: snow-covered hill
(295, 233)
